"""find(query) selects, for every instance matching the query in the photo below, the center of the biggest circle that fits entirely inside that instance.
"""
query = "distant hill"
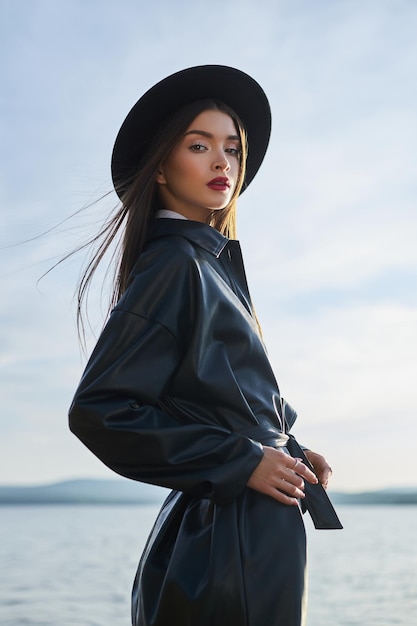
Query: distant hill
(88, 491)
(400, 495)
(84, 492)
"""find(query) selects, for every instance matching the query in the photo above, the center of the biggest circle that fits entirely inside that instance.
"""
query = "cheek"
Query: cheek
(180, 169)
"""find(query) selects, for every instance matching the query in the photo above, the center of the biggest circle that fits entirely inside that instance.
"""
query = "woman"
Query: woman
(179, 391)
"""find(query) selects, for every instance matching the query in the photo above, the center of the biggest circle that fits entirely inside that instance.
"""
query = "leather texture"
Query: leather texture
(179, 392)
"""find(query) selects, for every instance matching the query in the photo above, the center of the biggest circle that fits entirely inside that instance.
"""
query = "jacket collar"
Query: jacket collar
(201, 234)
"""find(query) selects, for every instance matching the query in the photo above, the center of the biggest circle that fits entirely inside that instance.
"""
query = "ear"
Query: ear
(160, 178)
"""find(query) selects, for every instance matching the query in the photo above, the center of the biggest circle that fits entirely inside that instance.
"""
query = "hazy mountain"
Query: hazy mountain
(393, 495)
(118, 491)
(84, 492)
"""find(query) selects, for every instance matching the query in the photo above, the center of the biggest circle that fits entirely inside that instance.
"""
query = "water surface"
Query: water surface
(74, 565)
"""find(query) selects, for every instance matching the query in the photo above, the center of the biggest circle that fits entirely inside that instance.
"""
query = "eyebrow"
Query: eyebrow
(209, 135)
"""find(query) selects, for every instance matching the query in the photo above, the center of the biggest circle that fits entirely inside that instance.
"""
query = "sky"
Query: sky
(328, 228)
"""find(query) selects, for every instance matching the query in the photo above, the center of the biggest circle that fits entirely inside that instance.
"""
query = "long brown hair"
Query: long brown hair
(127, 229)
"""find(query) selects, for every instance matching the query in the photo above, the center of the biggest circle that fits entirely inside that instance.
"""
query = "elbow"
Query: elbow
(87, 425)
(83, 419)
(75, 419)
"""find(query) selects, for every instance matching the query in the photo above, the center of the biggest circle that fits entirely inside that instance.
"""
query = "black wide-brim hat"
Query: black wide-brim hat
(231, 86)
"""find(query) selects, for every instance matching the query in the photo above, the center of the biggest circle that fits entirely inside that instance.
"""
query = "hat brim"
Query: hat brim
(233, 87)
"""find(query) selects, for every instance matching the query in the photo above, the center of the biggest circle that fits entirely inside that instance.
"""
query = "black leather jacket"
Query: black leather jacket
(179, 392)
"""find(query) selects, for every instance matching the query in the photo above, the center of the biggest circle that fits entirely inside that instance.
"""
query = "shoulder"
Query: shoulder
(163, 280)
(173, 250)
(165, 262)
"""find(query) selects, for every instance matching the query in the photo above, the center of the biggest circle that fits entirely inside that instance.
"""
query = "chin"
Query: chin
(219, 207)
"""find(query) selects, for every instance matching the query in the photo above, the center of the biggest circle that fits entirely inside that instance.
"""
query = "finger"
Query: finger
(301, 469)
(280, 496)
(292, 486)
(324, 476)
(291, 489)
(292, 478)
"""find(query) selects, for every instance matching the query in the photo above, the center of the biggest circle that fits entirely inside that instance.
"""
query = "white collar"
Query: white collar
(172, 214)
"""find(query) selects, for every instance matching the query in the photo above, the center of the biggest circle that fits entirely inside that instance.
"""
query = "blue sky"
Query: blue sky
(328, 228)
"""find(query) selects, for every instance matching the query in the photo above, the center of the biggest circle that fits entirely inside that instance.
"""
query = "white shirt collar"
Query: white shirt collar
(172, 214)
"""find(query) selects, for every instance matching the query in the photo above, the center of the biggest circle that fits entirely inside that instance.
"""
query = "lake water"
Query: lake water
(74, 566)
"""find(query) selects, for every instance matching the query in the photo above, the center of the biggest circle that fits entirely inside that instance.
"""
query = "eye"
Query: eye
(234, 151)
(198, 147)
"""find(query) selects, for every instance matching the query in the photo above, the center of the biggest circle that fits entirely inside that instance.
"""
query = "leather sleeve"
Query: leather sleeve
(115, 413)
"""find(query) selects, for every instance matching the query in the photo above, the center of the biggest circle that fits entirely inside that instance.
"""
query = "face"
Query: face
(200, 174)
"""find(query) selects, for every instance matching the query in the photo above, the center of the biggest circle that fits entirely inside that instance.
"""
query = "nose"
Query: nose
(221, 163)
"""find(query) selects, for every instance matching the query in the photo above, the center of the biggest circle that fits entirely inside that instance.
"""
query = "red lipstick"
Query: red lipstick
(220, 183)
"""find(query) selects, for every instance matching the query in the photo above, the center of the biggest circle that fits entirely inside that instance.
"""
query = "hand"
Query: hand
(281, 476)
(320, 465)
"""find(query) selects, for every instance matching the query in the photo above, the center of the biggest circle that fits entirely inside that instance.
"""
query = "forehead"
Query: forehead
(214, 122)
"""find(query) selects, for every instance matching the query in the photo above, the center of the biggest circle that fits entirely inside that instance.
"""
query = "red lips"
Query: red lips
(220, 183)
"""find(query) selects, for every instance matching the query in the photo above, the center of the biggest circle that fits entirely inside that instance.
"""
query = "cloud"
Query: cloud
(350, 374)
